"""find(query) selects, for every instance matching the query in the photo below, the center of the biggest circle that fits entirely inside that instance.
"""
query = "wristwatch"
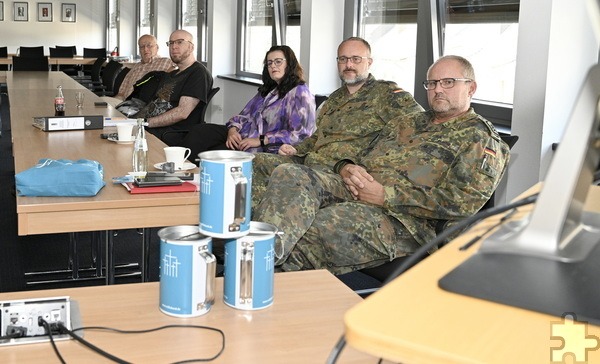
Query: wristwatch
(262, 140)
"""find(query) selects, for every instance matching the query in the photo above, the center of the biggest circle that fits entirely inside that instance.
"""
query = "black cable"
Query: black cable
(102, 328)
(416, 257)
(49, 331)
(63, 329)
(463, 224)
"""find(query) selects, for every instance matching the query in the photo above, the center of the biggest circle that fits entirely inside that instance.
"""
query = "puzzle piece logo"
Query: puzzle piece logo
(575, 342)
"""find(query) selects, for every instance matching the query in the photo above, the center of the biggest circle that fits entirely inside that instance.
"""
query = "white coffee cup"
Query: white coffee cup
(177, 155)
(124, 132)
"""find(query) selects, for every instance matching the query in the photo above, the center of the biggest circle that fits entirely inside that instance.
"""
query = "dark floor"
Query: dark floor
(22, 255)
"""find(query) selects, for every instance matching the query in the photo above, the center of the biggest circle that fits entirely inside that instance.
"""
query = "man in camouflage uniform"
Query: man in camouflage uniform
(423, 169)
(348, 121)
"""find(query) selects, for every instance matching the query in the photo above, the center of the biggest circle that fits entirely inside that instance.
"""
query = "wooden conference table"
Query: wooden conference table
(113, 208)
(53, 61)
(302, 325)
(32, 94)
(412, 320)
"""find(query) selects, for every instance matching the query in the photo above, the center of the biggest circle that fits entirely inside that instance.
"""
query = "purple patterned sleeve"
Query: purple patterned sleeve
(287, 120)
(295, 119)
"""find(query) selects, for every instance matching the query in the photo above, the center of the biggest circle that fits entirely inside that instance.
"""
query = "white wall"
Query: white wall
(556, 48)
(89, 30)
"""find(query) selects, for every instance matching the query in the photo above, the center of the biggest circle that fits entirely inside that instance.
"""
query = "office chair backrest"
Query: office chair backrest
(3, 54)
(96, 69)
(94, 52)
(30, 63)
(211, 94)
(72, 49)
(119, 79)
(61, 52)
(109, 75)
(31, 51)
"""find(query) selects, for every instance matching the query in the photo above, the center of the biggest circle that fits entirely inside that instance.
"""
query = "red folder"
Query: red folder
(184, 187)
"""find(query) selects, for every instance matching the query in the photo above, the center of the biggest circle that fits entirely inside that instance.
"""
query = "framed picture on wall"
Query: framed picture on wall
(44, 11)
(1, 10)
(68, 13)
(21, 11)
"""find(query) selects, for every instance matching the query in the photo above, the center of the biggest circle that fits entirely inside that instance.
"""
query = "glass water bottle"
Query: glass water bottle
(140, 148)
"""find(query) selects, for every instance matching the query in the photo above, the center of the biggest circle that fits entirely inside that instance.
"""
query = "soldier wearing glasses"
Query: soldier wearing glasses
(424, 169)
(348, 121)
(181, 94)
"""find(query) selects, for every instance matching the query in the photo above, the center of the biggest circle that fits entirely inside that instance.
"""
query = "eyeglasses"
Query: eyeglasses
(353, 59)
(277, 62)
(177, 42)
(444, 82)
(144, 46)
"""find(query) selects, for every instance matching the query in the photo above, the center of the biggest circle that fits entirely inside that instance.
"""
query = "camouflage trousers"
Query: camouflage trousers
(263, 165)
(324, 227)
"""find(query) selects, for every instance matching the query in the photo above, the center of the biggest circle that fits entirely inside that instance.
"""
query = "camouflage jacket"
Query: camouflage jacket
(432, 172)
(347, 124)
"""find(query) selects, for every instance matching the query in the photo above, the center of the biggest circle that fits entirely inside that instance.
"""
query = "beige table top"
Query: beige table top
(302, 325)
(412, 320)
(56, 60)
(31, 94)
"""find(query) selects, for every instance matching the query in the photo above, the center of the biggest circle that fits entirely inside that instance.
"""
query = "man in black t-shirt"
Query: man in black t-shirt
(182, 93)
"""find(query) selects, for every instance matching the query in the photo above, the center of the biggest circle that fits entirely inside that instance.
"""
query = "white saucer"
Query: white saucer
(120, 141)
(186, 166)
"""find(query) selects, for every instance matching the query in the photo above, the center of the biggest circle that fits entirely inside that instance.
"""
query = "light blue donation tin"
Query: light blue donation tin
(225, 193)
(249, 268)
(187, 271)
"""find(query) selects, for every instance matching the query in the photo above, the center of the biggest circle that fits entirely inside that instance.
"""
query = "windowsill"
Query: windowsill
(241, 79)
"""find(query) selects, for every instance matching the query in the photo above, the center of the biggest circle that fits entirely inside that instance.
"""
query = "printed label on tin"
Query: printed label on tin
(225, 198)
(182, 280)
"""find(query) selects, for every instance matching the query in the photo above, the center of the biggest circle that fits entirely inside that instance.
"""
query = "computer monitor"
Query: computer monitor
(549, 261)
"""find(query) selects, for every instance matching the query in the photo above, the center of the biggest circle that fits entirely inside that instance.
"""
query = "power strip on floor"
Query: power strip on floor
(22, 318)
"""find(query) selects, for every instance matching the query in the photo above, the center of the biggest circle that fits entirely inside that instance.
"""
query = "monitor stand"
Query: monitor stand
(532, 282)
(549, 262)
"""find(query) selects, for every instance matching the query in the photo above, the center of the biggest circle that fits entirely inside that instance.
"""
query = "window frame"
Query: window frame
(430, 45)
(278, 34)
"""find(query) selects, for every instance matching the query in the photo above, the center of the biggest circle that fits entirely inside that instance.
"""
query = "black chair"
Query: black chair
(70, 70)
(92, 53)
(368, 280)
(108, 77)
(3, 54)
(167, 136)
(31, 51)
(94, 74)
(72, 49)
(30, 63)
(119, 80)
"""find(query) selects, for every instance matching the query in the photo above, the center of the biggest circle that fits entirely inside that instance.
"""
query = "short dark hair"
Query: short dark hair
(357, 39)
(294, 74)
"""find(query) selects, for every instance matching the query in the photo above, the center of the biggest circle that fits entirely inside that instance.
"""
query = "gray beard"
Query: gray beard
(359, 79)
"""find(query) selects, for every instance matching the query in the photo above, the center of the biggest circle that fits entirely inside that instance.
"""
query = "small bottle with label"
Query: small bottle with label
(140, 148)
(59, 103)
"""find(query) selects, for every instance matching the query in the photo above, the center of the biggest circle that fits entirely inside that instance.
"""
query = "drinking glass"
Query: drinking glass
(79, 96)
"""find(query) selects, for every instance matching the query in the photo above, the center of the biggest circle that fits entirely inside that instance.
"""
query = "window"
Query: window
(192, 17)
(390, 26)
(485, 32)
(113, 24)
(265, 23)
(146, 20)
